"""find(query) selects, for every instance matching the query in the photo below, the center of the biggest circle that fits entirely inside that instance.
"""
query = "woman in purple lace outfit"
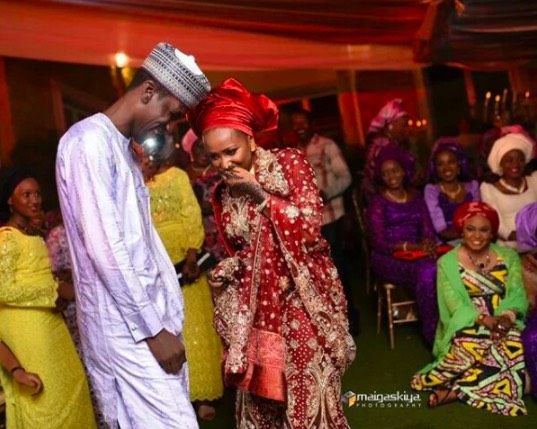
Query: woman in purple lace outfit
(526, 227)
(399, 220)
(448, 172)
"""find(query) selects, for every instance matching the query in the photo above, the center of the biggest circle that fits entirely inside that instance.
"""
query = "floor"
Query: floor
(381, 371)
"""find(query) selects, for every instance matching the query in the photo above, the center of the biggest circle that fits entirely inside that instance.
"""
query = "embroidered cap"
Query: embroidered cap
(178, 73)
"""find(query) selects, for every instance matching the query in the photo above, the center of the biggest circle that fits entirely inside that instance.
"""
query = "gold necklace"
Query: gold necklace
(451, 195)
(395, 198)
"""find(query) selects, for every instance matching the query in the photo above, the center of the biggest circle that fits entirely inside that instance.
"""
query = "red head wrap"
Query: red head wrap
(231, 105)
(476, 208)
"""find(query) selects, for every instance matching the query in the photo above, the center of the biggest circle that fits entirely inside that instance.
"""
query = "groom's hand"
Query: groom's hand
(169, 351)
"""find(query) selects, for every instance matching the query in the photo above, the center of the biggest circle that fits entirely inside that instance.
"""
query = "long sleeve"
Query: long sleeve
(340, 170)
(12, 293)
(431, 195)
(489, 196)
(93, 198)
(376, 224)
(455, 307)
(515, 297)
(300, 214)
(427, 228)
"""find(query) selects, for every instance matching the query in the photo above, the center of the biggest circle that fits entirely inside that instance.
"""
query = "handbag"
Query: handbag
(412, 255)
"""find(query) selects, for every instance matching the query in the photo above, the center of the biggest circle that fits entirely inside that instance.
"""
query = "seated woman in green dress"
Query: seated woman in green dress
(30, 324)
(479, 358)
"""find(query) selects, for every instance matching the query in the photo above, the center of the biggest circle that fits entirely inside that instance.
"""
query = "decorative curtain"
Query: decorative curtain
(329, 21)
(276, 34)
(223, 35)
(480, 34)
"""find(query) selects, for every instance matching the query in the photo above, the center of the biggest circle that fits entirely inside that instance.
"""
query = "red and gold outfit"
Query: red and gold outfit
(282, 318)
(282, 314)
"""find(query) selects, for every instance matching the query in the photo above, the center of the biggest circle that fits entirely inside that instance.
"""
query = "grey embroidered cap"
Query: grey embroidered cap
(178, 73)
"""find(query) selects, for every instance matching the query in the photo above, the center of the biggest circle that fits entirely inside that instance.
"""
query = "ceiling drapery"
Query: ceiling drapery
(226, 35)
(276, 34)
(330, 21)
(479, 33)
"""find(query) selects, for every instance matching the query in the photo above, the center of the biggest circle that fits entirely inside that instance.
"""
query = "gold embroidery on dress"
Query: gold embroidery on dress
(332, 325)
(237, 209)
(270, 174)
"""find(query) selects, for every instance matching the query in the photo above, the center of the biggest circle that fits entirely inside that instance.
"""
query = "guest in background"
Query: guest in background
(529, 340)
(479, 357)
(398, 220)
(29, 321)
(526, 224)
(488, 139)
(448, 172)
(333, 178)
(204, 178)
(280, 308)
(388, 128)
(526, 227)
(177, 218)
(513, 189)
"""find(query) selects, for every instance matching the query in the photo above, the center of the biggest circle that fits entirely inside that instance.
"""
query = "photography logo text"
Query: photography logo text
(382, 400)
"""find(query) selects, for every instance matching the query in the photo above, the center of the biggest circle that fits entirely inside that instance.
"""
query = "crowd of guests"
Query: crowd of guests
(255, 238)
(473, 302)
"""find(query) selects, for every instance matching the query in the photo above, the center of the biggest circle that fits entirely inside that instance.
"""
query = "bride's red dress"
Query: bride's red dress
(282, 316)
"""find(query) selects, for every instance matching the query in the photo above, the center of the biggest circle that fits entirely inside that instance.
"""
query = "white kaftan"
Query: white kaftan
(126, 287)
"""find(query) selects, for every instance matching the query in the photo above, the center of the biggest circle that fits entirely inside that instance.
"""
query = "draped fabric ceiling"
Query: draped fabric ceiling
(481, 34)
(276, 34)
(223, 35)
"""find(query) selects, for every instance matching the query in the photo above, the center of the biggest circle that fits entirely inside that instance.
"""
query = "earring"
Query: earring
(253, 147)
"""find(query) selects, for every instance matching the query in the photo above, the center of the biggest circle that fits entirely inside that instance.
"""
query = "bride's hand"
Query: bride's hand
(243, 181)
(217, 284)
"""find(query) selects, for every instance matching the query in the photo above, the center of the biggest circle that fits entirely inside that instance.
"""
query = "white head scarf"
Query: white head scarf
(505, 144)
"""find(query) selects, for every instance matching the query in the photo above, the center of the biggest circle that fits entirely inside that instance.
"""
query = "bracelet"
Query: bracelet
(262, 206)
(15, 369)
(404, 245)
(481, 319)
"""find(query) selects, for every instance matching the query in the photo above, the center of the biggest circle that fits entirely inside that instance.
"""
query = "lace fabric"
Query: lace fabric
(40, 340)
(25, 275)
